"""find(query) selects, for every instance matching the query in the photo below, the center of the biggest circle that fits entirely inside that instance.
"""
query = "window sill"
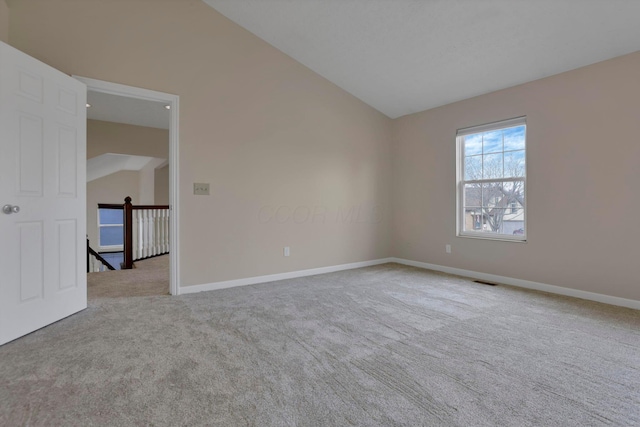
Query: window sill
(495, 238)
(110, 249)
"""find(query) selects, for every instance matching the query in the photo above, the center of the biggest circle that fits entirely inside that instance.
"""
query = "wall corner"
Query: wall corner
(4, 21)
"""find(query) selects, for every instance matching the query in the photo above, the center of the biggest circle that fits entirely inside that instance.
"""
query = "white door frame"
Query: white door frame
(173, 101)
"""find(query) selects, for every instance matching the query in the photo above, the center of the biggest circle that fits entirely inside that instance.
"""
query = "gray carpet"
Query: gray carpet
(149, 277)
(380, 346)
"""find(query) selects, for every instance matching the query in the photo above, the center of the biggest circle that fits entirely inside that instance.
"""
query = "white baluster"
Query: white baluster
(134, 234)
(162, 229)
(145, 250)
(95, 264)
(140, 245)
(157, 234)
(140, 233)
(152, 232)
(167, 236)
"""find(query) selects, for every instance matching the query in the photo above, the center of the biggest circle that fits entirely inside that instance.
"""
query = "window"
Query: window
(492, 180)
(110, 229)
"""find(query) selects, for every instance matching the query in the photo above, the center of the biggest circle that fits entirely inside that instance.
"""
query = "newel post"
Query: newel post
(128, 234)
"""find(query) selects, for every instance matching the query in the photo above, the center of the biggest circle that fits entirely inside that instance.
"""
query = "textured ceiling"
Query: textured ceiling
(405, 56)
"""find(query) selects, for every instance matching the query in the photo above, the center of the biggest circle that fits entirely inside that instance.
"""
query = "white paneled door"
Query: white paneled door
(42, 194)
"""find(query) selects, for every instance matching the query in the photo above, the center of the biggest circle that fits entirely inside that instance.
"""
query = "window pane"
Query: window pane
(472, 195)
(492, 166)
(513, 221)
(502, 211)
(493, 204)
(513, 194)
(503, 207)
(473, 167)
(514, 164)
(498, 158)
(111, 236)
(111, 216)
(472, 219)
(514, 214)
(492, 142)
(514, 138)
(473, 144)
(492, 195)
(494, 220)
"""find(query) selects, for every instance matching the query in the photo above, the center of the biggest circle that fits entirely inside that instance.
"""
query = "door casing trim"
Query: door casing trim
(174, 136)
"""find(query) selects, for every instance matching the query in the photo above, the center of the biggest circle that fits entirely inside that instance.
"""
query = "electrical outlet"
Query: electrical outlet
(201, 188)
(287, 252)
(448, 248)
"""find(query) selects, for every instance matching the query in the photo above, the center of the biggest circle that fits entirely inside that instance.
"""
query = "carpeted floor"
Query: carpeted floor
(149, 277)
(379, 346)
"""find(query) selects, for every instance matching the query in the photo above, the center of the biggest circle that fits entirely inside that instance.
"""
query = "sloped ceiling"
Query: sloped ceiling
(130, 111)
(106, 164)
(405, 56)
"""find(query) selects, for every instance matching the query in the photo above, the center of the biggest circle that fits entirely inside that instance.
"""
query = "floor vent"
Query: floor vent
(482, 282)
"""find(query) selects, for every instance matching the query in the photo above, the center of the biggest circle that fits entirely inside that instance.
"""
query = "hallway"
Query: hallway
(150, 277)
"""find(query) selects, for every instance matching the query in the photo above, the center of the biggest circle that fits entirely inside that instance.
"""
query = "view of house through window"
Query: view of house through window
(491, 180)
(111, 229)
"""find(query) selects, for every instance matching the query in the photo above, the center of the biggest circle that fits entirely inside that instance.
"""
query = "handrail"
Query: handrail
(99, 257)
(138, 207)
(134, 207)
(109, 206)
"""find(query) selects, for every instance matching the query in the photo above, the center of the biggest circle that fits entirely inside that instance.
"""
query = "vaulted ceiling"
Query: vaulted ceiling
(131, 111)
(405, 56)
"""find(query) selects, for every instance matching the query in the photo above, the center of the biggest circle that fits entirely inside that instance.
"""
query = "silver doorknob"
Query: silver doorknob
(9, 209)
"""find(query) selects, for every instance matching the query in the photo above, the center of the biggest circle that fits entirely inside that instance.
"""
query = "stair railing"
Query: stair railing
(146, 231)
(95, 261)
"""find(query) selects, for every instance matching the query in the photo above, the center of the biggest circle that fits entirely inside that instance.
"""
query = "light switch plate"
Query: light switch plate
(201, 188)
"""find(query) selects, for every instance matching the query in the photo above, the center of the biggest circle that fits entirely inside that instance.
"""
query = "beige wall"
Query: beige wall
(262, 129)
(109, 189)
(161, 196)
(109, 137)
(4, 21)
(269, 134)
(583, 179)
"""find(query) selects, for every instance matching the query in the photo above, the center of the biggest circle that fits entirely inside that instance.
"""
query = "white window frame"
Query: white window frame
(460, 181)
(109, 248)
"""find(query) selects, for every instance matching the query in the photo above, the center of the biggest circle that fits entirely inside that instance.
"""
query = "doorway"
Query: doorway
(171, 102)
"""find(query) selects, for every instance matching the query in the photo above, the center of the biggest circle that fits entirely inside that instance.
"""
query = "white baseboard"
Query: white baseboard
(576, 293)
(280, 276)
